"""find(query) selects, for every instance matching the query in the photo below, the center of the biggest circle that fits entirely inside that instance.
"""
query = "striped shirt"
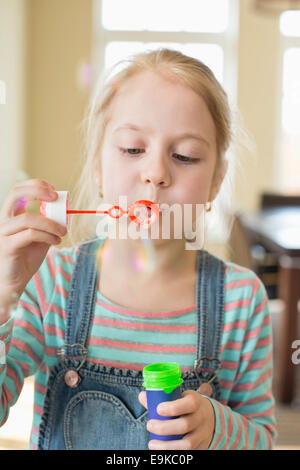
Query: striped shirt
(244, 415)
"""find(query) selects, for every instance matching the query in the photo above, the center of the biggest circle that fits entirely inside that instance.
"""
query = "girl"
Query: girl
(159, 130)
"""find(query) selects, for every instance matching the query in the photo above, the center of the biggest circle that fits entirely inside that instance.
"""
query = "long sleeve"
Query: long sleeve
(248, 422)
(23, 337)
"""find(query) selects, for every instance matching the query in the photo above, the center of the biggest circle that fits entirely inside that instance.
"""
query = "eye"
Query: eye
(134, 151)
(183, 158)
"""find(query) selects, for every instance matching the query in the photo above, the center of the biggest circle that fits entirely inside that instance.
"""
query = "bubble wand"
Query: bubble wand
(59, 210)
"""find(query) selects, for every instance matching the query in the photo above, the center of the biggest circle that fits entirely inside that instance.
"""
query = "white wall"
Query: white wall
(13, 72)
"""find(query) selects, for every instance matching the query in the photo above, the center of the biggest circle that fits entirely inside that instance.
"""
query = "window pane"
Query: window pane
(290, 164)
(210, 54)
(291, 91)
(290, 23)
(166, 15)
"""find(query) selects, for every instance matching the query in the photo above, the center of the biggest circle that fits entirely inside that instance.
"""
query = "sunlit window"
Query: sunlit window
(289, 164)
(166, 15)
(290, 23)
(205, 30)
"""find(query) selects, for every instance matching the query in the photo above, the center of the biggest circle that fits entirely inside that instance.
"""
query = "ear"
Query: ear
(218, 178)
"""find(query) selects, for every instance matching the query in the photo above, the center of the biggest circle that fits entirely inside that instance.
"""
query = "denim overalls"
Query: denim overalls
(95, 406)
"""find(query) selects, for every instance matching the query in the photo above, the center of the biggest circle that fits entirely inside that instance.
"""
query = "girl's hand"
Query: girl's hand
(24, 238)
(196, 420)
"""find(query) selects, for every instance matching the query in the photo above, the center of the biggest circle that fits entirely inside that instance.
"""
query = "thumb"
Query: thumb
(205, 389)
(143, 399)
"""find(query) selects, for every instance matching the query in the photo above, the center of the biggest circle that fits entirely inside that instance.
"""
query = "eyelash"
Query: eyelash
(183, 160)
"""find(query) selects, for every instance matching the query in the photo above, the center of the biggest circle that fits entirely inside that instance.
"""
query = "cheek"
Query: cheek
(117, 179)
(195, 189)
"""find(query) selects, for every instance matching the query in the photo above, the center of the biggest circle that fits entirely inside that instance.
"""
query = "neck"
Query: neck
(153, 259)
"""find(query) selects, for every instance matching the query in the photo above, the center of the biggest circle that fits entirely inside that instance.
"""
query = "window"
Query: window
(289, 146)
(206, 30)
(190, 26)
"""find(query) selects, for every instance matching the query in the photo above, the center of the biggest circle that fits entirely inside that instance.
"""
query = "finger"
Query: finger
(181, 425)
(189, 403)
(26, 237)
(31, 221)
(21, 194)
(143, 399)
(189, 442)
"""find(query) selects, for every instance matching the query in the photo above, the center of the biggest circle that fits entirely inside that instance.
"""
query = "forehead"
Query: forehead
(160, 102)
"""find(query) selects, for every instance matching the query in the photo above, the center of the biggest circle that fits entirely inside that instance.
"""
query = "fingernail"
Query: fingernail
(161, 409)
(63, 230)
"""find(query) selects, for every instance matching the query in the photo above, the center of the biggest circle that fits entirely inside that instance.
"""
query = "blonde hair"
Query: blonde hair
(172, 65)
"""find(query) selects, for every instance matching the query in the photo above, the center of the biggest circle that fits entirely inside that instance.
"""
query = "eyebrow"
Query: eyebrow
(185, 135)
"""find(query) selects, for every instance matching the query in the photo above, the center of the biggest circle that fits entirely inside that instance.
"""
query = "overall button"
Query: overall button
(72, 378)
(205, 389)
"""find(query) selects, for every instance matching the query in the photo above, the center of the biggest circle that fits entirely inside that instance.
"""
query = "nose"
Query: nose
(156, 172)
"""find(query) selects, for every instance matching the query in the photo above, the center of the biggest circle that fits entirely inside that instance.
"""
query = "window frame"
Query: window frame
(228, 40)
(285, 43)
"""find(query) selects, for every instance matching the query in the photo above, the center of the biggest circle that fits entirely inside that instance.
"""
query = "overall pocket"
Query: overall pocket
(98, 420)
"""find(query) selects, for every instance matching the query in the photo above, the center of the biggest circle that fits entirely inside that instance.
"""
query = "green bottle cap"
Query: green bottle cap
(162, 375)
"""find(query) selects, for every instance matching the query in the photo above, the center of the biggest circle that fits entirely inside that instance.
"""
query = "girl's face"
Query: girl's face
(159, 144)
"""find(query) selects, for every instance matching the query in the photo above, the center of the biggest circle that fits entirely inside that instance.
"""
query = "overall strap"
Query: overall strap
(81, 301)
(210, 312)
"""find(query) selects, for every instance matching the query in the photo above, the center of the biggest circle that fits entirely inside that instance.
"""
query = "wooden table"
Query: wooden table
(278, 230)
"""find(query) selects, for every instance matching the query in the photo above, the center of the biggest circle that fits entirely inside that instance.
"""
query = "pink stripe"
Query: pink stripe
(238, 435)
(25, 348)
(229, 428)
(30, 307)
(141, 347)
(229, 364)
(239, 269)
(260, 306)
(263, 342)
(222, 424)
(147, 326)
(38, 409)
(40, 388)
(234, 325)
(244, 282)
(51, 266)
(27, 327)
(253, 333)
(61, 290)
(259, 364)
(255, 437)
(95, 360)
(57, 309)
(66, 258)
(245, 423)
(255, 287)
(6, 393)
(52, 330)
(142, 314)
(35, 430)
(51, 351)
(268, 412)
(252, 385)
(40, 292)
(64, 273)
(237, 304)
(231, 345)
(226, 384)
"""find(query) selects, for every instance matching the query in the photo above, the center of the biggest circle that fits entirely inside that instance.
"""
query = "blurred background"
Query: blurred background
(51, 53)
